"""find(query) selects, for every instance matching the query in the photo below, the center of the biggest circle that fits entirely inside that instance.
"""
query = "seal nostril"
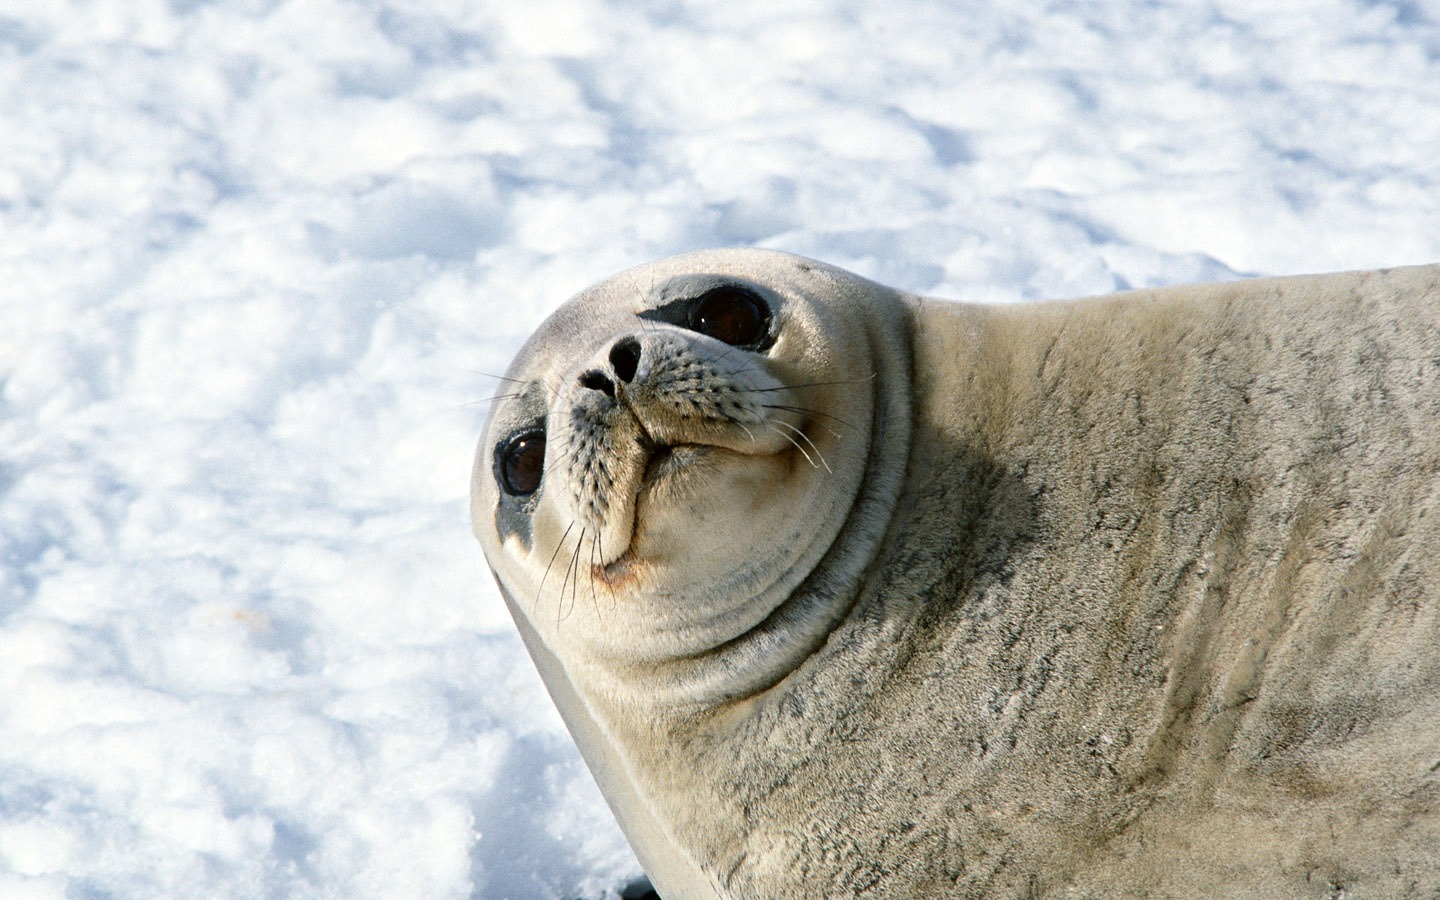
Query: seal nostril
(596, 380)
(625, 358)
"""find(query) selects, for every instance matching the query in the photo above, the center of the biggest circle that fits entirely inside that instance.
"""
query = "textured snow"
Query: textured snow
(261, 259)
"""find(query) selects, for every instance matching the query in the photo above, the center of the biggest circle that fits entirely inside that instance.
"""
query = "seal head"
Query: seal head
(709, 402)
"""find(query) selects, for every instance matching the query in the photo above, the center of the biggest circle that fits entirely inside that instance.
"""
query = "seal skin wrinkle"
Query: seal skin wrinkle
(845, 592)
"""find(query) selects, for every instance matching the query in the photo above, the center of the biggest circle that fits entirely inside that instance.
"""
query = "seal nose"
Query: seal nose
(625, 358)
(624, 363)
(597, 380)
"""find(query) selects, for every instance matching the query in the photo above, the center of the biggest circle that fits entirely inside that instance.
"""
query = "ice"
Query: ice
(263, 259)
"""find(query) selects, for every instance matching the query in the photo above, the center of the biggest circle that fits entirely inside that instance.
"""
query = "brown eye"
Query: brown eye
(520, 463)
(731, 314)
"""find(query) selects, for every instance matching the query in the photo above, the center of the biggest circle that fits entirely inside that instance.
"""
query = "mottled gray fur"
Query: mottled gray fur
(1154, 611)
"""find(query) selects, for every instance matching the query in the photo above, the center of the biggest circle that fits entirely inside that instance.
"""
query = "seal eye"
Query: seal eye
(520, 463)
(731, 314)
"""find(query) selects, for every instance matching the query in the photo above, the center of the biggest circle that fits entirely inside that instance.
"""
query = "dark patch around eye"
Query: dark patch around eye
(729, 312)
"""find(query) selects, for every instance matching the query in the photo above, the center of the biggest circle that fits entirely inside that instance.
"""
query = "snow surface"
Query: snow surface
(262, 258)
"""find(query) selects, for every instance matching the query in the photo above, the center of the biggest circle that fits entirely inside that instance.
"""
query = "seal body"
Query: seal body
(882, 596)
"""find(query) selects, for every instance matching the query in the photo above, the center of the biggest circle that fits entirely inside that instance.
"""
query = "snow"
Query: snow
(262, 260)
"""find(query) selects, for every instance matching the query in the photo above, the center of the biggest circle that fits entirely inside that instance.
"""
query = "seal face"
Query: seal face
(703, 406)
(847, 592)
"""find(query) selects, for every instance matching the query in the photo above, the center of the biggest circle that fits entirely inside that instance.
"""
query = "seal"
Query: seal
(847, 592)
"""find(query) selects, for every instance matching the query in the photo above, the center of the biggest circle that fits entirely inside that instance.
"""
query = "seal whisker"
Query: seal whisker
(539, 590)
(594, 596)
(572, 580)
(498, 377)
(809, 412)
(809, 384)
(750, 366)
(608, 586)
(523, 383)
(808, 458)
(693, 340)
(495, 397)
(806, 438)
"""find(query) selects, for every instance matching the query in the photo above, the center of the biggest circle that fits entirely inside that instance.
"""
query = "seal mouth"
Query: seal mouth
(664, 462)
(668, 459)
(660, 463)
